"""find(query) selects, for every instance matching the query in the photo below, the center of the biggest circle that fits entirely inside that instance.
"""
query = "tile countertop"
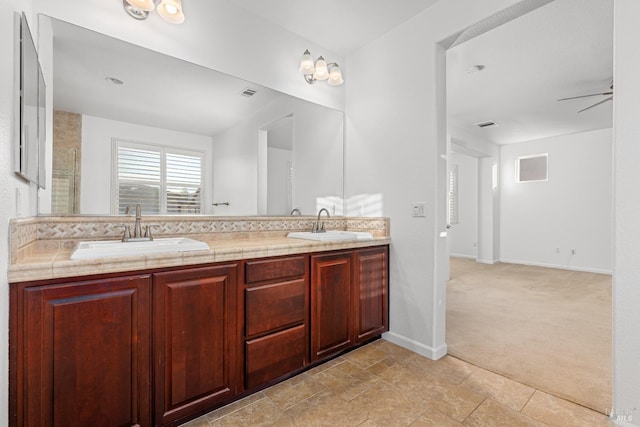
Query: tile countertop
(46, 264)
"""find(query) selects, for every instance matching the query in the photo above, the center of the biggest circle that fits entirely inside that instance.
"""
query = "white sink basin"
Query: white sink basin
(116, 248)
(331, 236)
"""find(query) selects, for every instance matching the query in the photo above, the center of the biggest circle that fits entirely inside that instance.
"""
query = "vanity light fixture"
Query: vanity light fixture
(320, 70)
(169, 10)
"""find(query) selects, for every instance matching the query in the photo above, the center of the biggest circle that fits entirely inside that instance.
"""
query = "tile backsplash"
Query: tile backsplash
(67, 230)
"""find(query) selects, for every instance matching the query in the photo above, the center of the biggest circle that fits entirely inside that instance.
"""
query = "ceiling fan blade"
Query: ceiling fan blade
(596, 104)
(585, 96)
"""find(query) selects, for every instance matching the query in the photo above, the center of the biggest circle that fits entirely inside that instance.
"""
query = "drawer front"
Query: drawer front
(274, 306)
(275, 355)
(272, 269)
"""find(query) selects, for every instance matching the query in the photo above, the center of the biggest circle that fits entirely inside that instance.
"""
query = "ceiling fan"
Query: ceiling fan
(609, 93)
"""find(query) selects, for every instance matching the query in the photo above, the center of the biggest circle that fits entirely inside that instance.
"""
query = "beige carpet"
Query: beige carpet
(547, 328)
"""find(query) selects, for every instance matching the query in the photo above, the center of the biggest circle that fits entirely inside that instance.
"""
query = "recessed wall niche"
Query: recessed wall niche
(67, 138)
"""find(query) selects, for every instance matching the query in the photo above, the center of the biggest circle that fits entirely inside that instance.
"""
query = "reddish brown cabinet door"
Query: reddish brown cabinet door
(371, 293)
(331, 304)
(196, 340)
(82, 353)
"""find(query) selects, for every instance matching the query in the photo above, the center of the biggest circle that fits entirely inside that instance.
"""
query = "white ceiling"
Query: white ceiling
(559, 50)
(339, 25)
(183, 97)
(562, 49)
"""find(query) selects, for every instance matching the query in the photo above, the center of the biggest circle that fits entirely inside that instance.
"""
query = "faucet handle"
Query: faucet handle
(127, 233)
(147, 232)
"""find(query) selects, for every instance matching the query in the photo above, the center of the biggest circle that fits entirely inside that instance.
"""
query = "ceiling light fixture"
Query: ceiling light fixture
(320, 70)
(169, 10)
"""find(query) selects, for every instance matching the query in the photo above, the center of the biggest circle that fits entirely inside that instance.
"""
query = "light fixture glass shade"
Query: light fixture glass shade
(306, 63)
(146, 5)
(322, 72)
(335, 76)
(171, 11)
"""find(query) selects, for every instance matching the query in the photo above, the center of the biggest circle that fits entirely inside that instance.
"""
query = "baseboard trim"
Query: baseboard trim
(463, 256)
(562, 267)
(486, 261)
(422, 349)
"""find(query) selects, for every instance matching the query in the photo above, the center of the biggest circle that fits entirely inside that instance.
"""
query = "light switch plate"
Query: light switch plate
(418, 210)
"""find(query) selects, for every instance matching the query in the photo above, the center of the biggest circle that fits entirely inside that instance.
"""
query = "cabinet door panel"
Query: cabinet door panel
(87, 353)
(195, 339)
(371, 293)
(331, 301)
(275, 355)
(274, 306)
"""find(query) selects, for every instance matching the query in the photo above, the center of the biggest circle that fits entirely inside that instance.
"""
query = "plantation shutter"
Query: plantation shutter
(138, 179)
(184, 177)
(160, 179)
(453, 194)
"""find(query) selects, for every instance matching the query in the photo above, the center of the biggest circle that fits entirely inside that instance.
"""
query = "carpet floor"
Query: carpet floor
(544, 327)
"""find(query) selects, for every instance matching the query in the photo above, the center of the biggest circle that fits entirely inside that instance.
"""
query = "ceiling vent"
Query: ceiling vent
(248, 92)
(487, 124)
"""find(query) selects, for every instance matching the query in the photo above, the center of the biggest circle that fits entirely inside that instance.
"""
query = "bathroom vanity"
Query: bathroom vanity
(157, 341)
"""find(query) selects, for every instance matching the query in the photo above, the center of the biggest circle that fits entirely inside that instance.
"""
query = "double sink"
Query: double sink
(116, 248)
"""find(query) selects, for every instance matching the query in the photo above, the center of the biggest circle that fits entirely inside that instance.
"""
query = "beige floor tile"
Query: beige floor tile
(326, 409)
(502, 389)
(559, 412)
(293, 391)
(393, 351)
(386, 405)
(448, 368)
(198, 422)
(433, 418)
(455, 401)
(261, 413)
(492, 413)
(366, 356)
(346, 380)
(232, 407)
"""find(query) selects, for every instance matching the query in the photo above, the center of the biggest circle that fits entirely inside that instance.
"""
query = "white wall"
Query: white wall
(463, 236)
(626, 277)
(572, 210)
(97, 157)
(396, 135)
(278, 181)
(317, 157)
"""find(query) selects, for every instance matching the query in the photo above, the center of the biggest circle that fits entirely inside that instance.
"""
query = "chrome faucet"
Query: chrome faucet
(317, 227)
(137, 229)
(295, 211)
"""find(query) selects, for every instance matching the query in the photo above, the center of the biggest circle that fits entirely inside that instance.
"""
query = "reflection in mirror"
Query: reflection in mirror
(135, 126)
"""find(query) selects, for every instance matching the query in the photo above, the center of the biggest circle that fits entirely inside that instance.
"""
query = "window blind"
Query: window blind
(161, 180)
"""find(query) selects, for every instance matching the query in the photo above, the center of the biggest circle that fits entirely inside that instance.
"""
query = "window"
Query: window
(162, 179)
(531, 168)
(453, 195)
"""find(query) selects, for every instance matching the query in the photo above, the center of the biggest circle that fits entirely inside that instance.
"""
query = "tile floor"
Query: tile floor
(382, 384)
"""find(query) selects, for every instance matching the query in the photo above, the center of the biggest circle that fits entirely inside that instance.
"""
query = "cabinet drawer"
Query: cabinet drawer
(272, 269)
(274, 306)
(275, 355)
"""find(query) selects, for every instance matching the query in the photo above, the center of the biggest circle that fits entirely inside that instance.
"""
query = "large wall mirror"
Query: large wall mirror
(131, 125)
(29, 161)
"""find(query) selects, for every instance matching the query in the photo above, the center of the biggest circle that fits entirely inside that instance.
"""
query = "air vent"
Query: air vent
(488, 123)
(248, 92)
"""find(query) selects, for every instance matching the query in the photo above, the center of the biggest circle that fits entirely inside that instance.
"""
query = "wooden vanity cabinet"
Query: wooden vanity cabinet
(195, 340)
(371, 308)
(332, 285)
(349, 299)
(276, 297)
(80, 353)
